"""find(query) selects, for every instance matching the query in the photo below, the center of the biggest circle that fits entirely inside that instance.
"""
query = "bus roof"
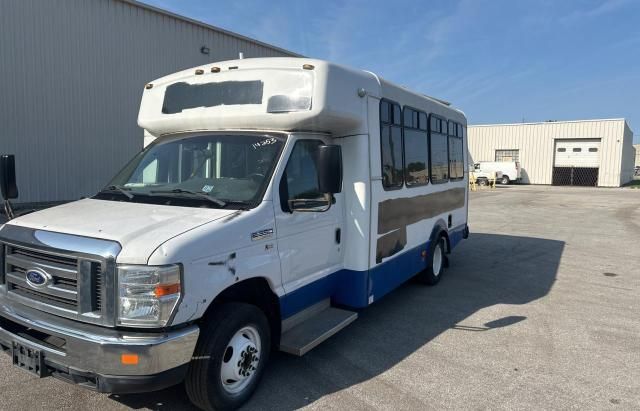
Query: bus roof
(276, 93)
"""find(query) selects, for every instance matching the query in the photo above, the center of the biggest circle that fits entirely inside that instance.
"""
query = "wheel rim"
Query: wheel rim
(437, 260)
(240, 360)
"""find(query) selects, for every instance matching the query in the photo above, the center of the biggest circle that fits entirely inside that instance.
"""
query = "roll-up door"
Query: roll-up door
(576, 162)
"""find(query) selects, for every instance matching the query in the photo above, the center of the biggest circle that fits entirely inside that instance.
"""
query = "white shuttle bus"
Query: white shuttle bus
(279, 197)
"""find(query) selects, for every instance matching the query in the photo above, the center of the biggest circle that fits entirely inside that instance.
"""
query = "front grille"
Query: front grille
(30, 293)
(74, 286)
(56, 259)
(61, 291)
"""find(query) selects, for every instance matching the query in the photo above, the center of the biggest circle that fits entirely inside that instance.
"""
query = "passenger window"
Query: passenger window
(577, 150)
(416, 148)
(456, 152)
(562, 150)
(301, 173)
(439, 149)
(593, 150)
(391, 145)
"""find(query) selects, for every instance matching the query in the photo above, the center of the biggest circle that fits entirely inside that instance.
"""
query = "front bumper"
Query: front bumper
(90, 355)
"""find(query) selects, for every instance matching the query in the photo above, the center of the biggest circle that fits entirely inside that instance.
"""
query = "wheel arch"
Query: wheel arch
(255, 291)
(440, 228)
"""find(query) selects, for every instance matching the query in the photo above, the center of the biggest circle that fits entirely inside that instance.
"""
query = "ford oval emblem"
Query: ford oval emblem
(38, 278)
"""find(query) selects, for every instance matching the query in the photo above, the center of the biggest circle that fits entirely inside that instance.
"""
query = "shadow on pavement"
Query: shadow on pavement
(486, 269)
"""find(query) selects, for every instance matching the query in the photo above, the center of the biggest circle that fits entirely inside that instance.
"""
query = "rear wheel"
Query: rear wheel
(505, 180)
(230, 357)
(436, 262)
(483, 182)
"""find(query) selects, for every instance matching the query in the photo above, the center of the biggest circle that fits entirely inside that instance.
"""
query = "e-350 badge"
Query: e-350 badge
(262, 234)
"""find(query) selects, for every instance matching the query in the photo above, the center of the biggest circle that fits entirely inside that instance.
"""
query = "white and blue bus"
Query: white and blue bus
(279, 197)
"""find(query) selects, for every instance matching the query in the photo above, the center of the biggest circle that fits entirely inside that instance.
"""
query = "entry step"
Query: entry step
(322, 323)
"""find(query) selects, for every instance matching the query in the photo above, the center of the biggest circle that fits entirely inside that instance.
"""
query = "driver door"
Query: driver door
(308, 241)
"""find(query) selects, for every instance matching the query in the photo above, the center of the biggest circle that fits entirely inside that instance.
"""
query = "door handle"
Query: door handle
(338, 235)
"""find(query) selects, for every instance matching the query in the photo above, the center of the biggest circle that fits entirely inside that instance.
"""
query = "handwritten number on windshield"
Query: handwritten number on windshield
(265, 142)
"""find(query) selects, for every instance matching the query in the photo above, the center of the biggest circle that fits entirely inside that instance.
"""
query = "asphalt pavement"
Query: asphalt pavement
(538, 310)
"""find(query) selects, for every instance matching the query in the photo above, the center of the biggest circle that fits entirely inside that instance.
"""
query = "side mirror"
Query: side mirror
(8, 177)
(329, 164)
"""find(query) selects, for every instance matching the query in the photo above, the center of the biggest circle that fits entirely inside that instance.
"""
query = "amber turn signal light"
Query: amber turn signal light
(166, 289)
(129, 359)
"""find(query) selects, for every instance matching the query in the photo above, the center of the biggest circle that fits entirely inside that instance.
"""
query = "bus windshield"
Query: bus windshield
(218, 170)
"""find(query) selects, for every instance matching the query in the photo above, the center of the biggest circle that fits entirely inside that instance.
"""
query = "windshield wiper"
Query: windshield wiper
(214, 200)
(123, 190)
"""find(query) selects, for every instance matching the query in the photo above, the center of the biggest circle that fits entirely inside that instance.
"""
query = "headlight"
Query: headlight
(147, 295)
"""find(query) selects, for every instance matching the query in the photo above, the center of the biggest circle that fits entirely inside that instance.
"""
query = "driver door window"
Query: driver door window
(301, 175)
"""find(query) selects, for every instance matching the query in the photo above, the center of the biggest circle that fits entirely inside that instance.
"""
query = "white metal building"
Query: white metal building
(587, 152)
(71, 80)
(637, 147)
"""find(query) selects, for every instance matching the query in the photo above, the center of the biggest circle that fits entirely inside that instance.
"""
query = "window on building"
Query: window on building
(508, 155)
(416, 147)
(593, 150)
(456, 152)
(439, 149)
(577, 149)
(391, 144)
(561, 150)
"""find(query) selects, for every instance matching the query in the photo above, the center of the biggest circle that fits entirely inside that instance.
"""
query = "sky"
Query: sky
(499, 61)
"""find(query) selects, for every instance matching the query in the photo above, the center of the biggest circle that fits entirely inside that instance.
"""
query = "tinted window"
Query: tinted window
(391, 145)
(439, 149)
(422, 121)
(385, 112)
(562, 150)
(456, 152)
(593, 150)
(577, 149)
(391, 142)
(416, 148)
(301, 172)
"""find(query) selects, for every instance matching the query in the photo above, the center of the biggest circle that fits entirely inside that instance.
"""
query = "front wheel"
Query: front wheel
(435, 264)
(230, 357)
(504, 180)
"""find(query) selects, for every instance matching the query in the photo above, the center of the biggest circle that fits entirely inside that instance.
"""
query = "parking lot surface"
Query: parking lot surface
(540, 309)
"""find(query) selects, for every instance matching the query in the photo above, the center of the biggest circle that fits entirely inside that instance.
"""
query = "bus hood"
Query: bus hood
(139, 228)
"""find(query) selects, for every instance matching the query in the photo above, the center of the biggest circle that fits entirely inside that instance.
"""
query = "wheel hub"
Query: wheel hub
(240, 360)
(248, 361)
(437, 260)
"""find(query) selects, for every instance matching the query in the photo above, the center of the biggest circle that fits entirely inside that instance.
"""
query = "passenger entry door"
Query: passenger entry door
(309, 242)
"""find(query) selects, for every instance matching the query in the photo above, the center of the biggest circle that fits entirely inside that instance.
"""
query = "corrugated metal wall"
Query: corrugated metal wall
(535, 141)
(637, 147)
(628, 156)
(71, 79)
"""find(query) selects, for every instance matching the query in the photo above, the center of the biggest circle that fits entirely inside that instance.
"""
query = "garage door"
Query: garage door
(576, 162)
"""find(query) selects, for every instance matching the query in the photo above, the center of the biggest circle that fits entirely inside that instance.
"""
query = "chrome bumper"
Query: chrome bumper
(91, 349)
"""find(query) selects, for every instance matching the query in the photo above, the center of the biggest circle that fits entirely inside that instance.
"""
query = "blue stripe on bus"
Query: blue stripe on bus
(352, 288)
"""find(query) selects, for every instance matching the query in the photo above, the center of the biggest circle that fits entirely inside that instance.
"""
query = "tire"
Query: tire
(483, 182)
(238, 325)
(435, 264)
(505, 180)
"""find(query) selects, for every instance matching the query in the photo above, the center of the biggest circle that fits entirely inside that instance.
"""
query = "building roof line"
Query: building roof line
(547, 122)
(176, 16)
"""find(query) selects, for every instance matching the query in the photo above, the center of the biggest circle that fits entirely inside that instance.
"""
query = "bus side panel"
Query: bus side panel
(403, 219)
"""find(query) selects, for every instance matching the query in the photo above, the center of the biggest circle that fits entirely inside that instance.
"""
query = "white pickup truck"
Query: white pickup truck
(280, 196)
